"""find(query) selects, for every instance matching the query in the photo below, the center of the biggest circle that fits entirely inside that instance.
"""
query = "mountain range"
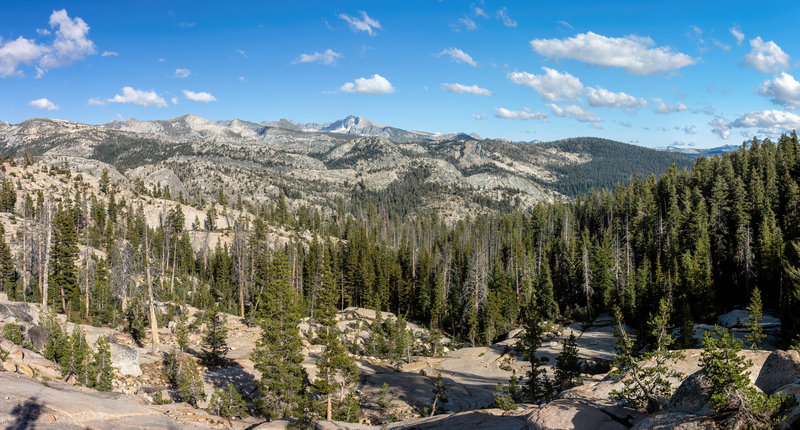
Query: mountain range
(458, 174)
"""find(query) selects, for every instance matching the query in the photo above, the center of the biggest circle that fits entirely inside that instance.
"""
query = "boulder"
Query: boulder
(780, 368)
(125, 359)
(18, 312)
(692, 395)
(572, 414)
(36, 335)
(738, 318)
(669, 420)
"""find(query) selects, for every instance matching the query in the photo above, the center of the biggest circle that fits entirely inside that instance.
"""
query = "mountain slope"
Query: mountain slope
(315, 164)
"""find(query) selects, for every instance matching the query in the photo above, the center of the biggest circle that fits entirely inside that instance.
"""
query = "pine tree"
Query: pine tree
(80, 354)
(439, 393)
(182, 331)
(215, 340)
(278, 354)
(102, 372)
(538, 387)
(568, 366)
(646, 386)
(104, 181)
(337, 370)
(189, 383)
(756, 336)
(227, 402)
(64, 278)
(8, 275)
(731, 392)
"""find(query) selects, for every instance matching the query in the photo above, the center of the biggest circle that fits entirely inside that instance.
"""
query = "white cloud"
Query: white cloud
(552, 85)
(375, 85)
(364, 24)
(43, 103)
(782, 90)
(71, 43)
(109, 54)
(768, 119)
(602, 97)
(502, 15)
(458, 56)
(96, 102)
(573, 111)
(174, 100)
(766, 57)
(16, 52)
(635, 54)
(200, 96)
(139, 97)
(737, 33)
(479, 12)
(478, 116)
(466, 22)
(688, 129)
(525, 114)
(182, 73)
(241, 52)
(328, 58)
(466, 89)
(664, 108)
(565, 24)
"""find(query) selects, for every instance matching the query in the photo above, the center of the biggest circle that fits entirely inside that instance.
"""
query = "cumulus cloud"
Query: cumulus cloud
(502, 15)
(478, 116)
(43, 103)
(375, 85)
(16, 52)
(96, 102)
(663, 107)
(466, 89)
(109, 54)
(328, 58)
(71, 44)
(737, 33)
(525, 114)
(766, 57)
(573, 111)
(637, 55)
(139, 97)
(562, 86)
(602, 97)
(689, 129)
(182, 73)
(200, 96)
(552, 85)
(458, 56)
(782, 90)
(768, 119)
(365, 23)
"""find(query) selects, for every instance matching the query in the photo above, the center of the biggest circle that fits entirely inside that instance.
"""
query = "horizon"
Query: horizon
(685, 74)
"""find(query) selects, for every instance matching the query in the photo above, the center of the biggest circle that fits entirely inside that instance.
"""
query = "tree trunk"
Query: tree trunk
(153, 322)
(46, 268)
(86, 235)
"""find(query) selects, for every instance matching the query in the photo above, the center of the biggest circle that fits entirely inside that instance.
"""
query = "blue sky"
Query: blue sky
(691, 73)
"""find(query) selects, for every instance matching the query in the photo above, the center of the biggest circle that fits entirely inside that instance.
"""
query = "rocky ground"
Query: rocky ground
(31, 387)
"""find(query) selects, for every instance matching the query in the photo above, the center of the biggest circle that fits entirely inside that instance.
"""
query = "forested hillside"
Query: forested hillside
(104, 251)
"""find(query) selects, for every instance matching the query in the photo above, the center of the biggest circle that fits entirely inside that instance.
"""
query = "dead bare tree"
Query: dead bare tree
(153, 322)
